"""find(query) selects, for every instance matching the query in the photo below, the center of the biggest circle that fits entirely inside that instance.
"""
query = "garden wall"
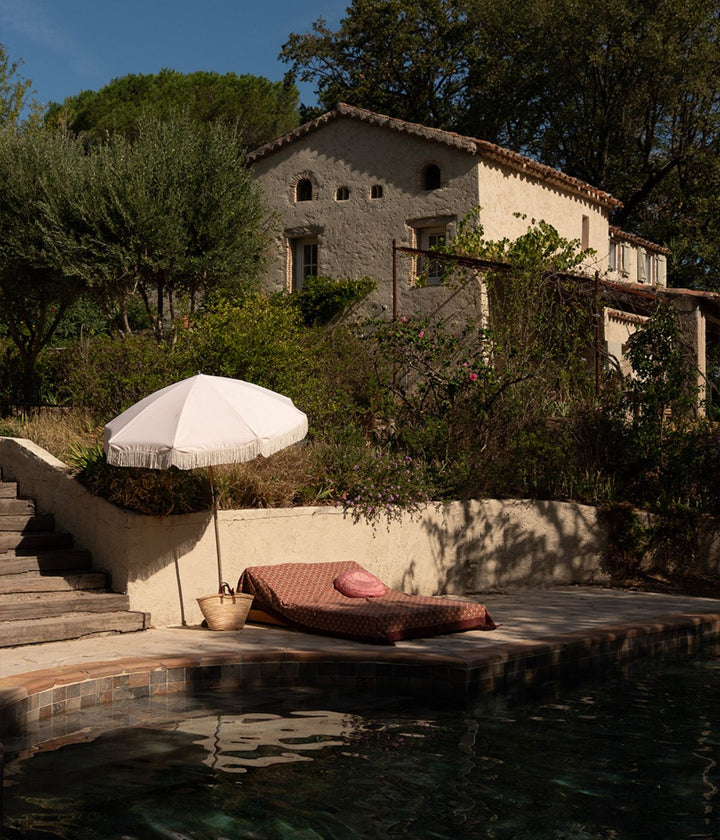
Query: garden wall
(165, 563)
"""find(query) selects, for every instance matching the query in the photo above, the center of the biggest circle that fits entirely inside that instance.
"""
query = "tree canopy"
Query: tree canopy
(259, 109)
(167, 217)
(170, 215)
(14, 90)
(40, 173)
(620, 93)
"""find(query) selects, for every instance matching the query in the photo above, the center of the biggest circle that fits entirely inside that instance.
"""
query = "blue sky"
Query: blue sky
(71, 45)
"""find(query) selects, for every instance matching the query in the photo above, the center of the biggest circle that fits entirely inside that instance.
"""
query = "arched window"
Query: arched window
(431, 177)
(342, 194)
(304, 190)
(376, 191)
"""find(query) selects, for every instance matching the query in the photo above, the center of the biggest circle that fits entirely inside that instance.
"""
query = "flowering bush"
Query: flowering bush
(375, 484)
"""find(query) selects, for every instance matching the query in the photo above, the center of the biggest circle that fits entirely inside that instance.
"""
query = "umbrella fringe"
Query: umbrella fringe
(198, 459)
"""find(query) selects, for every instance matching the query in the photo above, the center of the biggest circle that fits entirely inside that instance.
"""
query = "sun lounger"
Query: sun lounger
(305, 596)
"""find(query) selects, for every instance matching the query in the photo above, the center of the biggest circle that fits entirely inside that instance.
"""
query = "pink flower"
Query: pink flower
(421, 334)
(473, 377)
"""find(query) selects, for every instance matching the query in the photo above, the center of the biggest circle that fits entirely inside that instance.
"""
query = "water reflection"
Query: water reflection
(236, 742)
(634, 757)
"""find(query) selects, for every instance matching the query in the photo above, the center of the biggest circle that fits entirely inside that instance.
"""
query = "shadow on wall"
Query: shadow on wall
(494, 544)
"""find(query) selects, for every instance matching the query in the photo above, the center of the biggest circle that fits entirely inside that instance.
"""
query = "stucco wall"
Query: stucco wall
(164, 564)
(504, 192)
(355, 236)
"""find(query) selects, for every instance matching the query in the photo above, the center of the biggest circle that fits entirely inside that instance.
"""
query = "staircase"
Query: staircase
(49, 591)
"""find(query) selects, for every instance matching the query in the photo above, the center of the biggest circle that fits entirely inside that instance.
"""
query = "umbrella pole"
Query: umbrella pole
(217, 530)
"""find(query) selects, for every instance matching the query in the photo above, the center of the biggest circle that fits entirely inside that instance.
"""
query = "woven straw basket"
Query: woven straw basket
(227, 610)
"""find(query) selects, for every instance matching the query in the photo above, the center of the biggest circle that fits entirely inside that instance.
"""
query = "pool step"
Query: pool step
(49, 590)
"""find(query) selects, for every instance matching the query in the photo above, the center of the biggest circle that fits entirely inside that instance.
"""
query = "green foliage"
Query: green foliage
(13, 90)
(541, 250)
(262, 110)
(373, 484)
(441, 379)
(628, 539)
(258, 338)
(541, 322)
(40, 174)
(324, 299)
(661, 368)
(169, 217)
(413, 52)
(107, 374)
(149, 492)
(262, 339)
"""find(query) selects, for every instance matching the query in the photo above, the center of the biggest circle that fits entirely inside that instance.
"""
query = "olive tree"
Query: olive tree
(40, 173)
(169, 216)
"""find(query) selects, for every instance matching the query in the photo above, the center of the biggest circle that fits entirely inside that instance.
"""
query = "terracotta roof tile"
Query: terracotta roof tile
(481, 148)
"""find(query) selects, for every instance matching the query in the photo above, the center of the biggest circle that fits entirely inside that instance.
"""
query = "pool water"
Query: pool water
(629, 757)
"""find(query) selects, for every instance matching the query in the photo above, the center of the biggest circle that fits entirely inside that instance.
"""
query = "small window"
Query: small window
(642, 266)
(342, 194)
(431, 177)
(376, 191)
(624, 259)
(304, 190)
(585, 233)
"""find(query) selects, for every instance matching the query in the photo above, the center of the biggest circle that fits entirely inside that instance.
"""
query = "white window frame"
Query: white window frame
(427, 238)
(304, 252)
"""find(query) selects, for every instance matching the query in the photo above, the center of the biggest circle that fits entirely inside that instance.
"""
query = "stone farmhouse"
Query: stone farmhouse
(346, 186)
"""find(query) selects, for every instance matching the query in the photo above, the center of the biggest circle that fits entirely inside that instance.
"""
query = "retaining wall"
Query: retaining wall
(166, 563)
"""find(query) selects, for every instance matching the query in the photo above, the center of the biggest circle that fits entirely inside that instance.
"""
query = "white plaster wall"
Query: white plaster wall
(618, 326)
(356, 234)
(504, 192)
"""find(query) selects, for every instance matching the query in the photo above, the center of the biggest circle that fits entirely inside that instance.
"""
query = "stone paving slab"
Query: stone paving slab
(524, 617)
(47, 691)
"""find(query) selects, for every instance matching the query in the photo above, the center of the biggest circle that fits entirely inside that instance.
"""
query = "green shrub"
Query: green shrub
(148, 492)
(257, 338)
(106, 375)
(324, 299)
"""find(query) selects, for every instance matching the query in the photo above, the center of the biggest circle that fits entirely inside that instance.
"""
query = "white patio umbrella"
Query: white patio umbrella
(201, 422)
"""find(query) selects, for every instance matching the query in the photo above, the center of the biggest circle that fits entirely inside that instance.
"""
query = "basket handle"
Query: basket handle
(226, 589)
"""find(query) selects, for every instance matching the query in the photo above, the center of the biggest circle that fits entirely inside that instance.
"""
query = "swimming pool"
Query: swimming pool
(634, 755)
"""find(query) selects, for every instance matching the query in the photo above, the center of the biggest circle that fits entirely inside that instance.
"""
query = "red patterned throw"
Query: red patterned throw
(303, 595)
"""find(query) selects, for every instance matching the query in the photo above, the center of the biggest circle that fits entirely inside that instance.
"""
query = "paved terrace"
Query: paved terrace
(542, 635)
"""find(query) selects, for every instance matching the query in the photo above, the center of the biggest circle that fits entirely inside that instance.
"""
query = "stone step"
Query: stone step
(34, 541)
(16, 507)
(8, 490)
(37, 606)
(58, 582)
(48, 590)
(14, 563)
(25, 523)
(70, 626)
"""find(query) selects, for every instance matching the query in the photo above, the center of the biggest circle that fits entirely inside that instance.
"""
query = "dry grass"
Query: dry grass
(58, 431)
(286, 479)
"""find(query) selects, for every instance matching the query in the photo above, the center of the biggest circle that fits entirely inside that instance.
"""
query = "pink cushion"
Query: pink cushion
(359, 584)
